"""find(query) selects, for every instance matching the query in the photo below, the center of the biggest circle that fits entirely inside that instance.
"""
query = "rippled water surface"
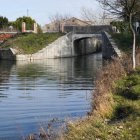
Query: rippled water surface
(36, 93)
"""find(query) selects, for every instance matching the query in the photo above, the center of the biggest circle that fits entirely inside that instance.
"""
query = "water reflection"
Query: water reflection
(5, 69)
(65, 72)
(42, 90)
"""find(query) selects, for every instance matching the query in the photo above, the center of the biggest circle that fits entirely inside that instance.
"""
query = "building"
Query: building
(52, 27)
(59, 26)
(24, 30)
(73, 22)
(137, 27)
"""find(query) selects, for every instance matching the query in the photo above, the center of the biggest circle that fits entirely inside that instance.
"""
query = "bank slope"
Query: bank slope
(116, 109)
(30, 43)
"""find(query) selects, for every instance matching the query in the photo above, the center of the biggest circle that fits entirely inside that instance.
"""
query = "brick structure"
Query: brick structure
(5, 36)
(23, 27)
(73, 22)
(59, 26)
(29, 31)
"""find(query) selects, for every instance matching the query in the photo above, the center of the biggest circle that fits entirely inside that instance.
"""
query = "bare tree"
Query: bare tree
(124, 9)
(88, 14)
(100, 18)
(58, 18)
(105, 18)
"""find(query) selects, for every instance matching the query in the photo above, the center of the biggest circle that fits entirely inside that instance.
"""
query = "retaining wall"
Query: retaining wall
(109, 48)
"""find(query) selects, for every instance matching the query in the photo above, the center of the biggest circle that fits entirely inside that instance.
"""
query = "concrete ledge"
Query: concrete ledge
(8, 54)
(109, 47)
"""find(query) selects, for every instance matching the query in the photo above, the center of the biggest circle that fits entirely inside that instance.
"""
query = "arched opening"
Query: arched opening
(138, 30)
(80, 46)
(87, 45)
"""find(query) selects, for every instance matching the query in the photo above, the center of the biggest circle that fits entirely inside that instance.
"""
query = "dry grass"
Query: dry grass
(108, 105)
(114, 111)
(102, 98)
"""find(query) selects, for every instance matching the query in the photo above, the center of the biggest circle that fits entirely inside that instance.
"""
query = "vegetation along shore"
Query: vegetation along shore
(116, 100)
(116, 107)
(115, 113)
(49, 91)
(30, 43)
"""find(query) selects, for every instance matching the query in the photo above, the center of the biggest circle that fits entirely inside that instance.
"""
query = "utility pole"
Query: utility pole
(104, 14)
(27, 12)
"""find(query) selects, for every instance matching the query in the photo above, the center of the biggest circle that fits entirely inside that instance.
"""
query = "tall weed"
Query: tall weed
(111, 72)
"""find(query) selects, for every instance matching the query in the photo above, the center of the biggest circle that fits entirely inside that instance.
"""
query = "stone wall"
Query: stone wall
(86, 46)
(62, 47)
(109, 48)
(59, 48)
(7, 54)
(88, 29)
(65, 46)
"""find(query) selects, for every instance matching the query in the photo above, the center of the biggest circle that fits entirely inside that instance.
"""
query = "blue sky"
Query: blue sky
(41, 10)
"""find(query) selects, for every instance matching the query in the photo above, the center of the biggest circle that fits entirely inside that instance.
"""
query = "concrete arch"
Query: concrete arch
(79, 46)
(83, 45)
(80, 36)
(138, 30)
(65, 46)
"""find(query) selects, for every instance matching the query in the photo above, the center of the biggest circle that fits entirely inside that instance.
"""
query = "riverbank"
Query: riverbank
(116, 107)
(125, 42)
(116, 101)
(30, 43)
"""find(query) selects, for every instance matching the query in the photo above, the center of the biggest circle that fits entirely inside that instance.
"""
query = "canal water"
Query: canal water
(37, 93)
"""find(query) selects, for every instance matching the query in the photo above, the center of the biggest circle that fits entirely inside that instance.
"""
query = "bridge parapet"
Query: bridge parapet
(88, 29)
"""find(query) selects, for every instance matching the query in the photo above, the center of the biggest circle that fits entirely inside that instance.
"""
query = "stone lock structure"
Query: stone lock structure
(70, 45)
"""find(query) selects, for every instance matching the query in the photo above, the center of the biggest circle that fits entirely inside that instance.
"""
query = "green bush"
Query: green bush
(122, 26)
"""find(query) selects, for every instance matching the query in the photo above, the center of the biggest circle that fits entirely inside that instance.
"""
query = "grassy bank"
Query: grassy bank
(30, 43)
(116, 107)
(116, 101)
(124, 41)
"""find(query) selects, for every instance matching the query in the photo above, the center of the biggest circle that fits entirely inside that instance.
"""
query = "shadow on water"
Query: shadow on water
(5, 70)
(58, 68)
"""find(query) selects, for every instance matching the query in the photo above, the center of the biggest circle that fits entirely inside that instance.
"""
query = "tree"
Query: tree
(3, 22)
(126, 9)
(122, 26)
(91, 16)
(28, 20)
(39, 30)
(88, 15)
(57, 19)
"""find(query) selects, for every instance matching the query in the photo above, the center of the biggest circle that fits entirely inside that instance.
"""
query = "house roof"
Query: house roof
(72, 18)
(76, 19)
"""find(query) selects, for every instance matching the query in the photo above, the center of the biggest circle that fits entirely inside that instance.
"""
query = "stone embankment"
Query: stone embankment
(109, 48)
(51, 51)
(62, 47)
(66, 46)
